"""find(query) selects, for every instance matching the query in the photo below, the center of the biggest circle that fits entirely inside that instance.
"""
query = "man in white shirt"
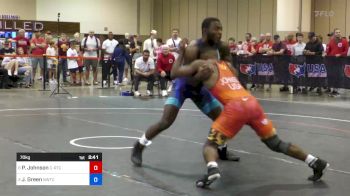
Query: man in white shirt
(91, 46)
(298, 48)
(144, 69)
(150, 44)
(107, 50)
(299, 58)
(174, 42)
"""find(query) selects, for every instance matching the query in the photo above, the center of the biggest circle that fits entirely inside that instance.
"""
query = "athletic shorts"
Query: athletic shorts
(51, 66)
(81, 69)
(74, 70)
(201, 97)
(236, 114)
(90, 62)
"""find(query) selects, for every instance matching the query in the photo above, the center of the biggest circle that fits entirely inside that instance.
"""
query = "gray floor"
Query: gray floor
(33, 122)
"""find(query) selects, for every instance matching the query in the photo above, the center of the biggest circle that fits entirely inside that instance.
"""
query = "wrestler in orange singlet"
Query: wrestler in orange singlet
(240, 108)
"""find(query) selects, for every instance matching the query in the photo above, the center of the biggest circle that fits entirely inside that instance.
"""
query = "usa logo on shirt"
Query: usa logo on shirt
(297, 70)
(340, 45)
(248, 69)
(347, 71)
(171, 61)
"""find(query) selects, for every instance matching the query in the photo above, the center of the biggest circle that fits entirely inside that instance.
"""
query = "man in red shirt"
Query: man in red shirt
(22, 41)
(165, 62)
(260, 43)
(290, 42)
(267, 45)
(38, 45)
(337, 47)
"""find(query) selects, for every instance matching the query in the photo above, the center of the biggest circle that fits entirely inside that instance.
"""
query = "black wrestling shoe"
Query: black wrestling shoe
(136, 154)
(318, 167)
(227, 155)
(213, 174)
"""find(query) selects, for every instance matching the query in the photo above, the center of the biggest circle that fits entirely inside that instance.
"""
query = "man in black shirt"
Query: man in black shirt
(6, 50)
(5, 78)
(313, 52)
(314, 46)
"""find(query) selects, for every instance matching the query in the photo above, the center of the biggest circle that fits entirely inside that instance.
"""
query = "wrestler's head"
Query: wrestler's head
(211, 30)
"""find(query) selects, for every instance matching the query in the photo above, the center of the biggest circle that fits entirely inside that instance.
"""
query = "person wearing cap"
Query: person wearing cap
(150, 44)
(279, 48)
(165, 62)
(314, 48)
(337, 47)
(6, 49)
(38, 46)
(91, 46)
(174, 42)
(22, 41)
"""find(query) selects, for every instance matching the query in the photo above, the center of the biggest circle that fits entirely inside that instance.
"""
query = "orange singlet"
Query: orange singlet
(240, 107)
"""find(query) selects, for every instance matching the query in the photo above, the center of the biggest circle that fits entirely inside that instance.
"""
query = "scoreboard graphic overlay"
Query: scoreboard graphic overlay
(59, 169)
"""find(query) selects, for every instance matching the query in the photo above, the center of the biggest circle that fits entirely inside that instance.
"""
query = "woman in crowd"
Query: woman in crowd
(24, 67)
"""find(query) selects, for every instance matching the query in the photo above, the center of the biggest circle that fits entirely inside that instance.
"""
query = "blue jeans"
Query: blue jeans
(35, 62)
(63, 68)
(27, 72)
(119, 67)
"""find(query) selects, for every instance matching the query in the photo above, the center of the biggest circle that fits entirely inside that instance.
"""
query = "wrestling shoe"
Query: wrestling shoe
(227, 155)
(208, 179)
(318, 166)
(136, 154)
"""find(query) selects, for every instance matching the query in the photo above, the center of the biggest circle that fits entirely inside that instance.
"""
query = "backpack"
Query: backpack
(98, 51)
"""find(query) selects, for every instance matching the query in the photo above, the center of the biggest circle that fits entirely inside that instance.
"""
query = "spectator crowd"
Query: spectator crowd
(150, 61)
